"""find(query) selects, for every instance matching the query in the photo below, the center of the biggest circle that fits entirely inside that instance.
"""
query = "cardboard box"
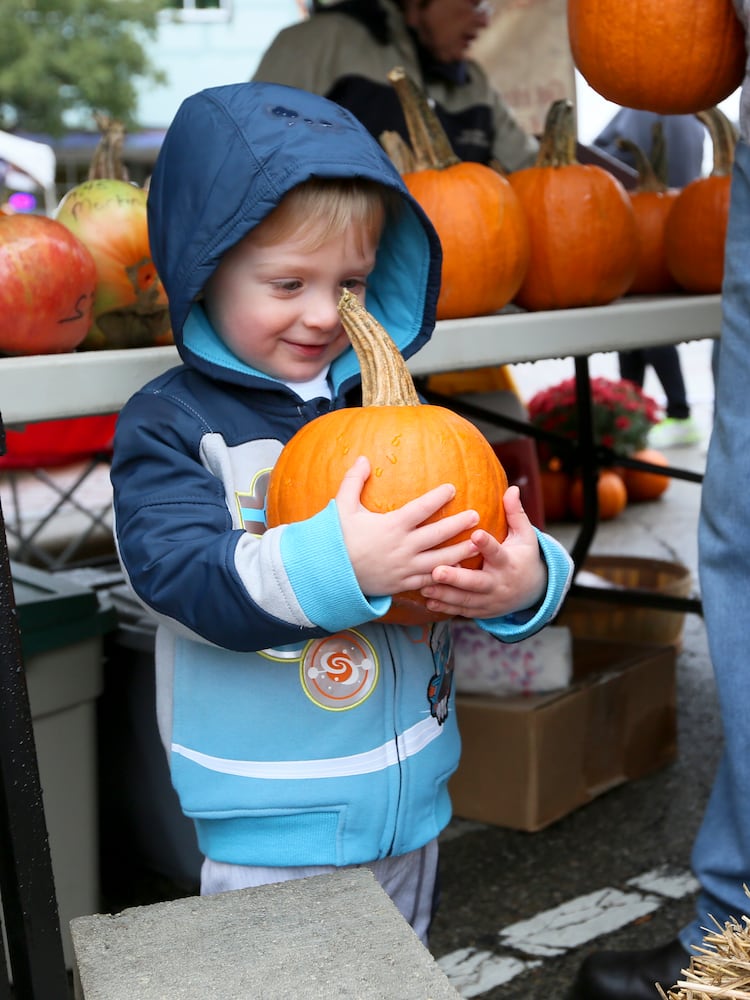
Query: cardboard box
(528, 760)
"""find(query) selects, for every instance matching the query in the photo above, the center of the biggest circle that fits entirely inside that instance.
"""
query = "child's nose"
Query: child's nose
(322, 312)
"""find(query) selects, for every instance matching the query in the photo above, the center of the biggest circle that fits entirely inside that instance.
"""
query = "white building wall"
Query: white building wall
(207, 48)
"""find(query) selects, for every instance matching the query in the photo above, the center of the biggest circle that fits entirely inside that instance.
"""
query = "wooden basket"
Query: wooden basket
(592, 619)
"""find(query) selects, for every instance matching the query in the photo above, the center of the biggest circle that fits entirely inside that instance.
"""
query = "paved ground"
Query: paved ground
(520, 910)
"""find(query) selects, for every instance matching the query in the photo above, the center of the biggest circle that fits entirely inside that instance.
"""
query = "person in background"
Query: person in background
(684, 138)
(346, 50)
(721, 850)
(303, 733)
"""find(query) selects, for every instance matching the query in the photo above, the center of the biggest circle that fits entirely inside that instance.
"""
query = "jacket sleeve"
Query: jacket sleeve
(193, 568)
(522, 624)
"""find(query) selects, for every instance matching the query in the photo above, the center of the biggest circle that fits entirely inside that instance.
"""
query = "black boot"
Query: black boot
(629, 975)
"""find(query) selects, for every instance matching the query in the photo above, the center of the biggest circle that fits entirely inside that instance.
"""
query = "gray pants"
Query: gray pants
(409, 879)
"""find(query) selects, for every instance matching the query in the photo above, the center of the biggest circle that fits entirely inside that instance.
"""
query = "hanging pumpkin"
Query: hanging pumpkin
(411, 447)
(652, 201)
(108, 215)
(668, 56)
(696, 228)
(481, 226)
(581, 223)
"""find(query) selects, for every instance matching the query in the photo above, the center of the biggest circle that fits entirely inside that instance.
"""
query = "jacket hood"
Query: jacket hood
(228, 158)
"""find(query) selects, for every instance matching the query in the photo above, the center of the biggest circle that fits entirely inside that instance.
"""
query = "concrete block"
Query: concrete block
(331, 936)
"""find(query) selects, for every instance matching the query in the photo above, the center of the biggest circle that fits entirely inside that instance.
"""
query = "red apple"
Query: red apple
(47, 286)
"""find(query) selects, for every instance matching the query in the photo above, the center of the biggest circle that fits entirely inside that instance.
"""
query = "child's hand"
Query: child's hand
(394, 552)
(513, 575)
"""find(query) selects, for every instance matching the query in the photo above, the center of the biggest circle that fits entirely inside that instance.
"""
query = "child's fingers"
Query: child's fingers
(353, 483)
(418, 510)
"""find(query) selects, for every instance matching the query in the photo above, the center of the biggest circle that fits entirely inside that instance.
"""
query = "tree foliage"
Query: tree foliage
(62, 60)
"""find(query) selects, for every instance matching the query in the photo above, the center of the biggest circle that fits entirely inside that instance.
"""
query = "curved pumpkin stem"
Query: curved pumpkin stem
(399, 151)
(106, 163)
(386, 381)
(647, 176)
(723, 137)
(558, 146)
(432, 150)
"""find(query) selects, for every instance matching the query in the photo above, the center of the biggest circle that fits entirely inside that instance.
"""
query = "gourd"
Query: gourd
(668, 56)
(696, 228)
(652, 201)
(481, 226)
(411, 448)
(582, 228)
(108, 214)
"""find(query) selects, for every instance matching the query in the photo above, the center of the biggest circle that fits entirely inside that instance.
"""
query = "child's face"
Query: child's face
(275, 306)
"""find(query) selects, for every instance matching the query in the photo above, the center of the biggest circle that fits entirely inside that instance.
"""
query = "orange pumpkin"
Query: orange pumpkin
(612, 497)
(411, 447)
(652, 202)
(477, 216)
(642, 485)
(668, 56)
(582, 227)
(555, 487)
(696, 228)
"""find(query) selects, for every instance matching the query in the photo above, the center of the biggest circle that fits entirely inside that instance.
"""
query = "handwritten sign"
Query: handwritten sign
(526, 54)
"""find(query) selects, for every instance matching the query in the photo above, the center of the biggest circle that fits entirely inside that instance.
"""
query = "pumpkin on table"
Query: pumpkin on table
(475, 211)
(652, 200)
(582, 227)
(668, 56)
(412, 447)
(696, 228)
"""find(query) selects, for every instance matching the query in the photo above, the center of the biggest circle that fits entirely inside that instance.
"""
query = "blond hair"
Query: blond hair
(322, 209)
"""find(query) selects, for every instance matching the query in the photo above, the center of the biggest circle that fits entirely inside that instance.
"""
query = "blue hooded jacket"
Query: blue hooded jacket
(300, 730)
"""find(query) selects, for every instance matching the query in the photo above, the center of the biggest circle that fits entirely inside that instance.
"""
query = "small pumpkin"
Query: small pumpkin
(696, 228)
(652, 201)
(411, 447)
(582, 228)
(668, 56)
(612, 497)
(475, 211)
(642, 485)
(554, 482)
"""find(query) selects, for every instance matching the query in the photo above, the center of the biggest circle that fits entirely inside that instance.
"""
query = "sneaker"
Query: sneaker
(672, 433)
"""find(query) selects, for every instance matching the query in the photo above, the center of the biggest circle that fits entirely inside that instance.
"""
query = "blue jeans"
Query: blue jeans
(721, 852)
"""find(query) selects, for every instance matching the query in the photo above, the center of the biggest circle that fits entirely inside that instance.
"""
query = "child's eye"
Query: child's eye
(291, 285)
(354, 284)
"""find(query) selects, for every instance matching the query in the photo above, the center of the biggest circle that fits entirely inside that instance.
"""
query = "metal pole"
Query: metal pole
(26, 881)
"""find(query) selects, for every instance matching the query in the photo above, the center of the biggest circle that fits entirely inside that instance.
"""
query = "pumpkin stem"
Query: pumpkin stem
(386, 381)
(648, 180)
(558, 146)
(399, 151)
(432, 149)
(106, 163)
(723, 137)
